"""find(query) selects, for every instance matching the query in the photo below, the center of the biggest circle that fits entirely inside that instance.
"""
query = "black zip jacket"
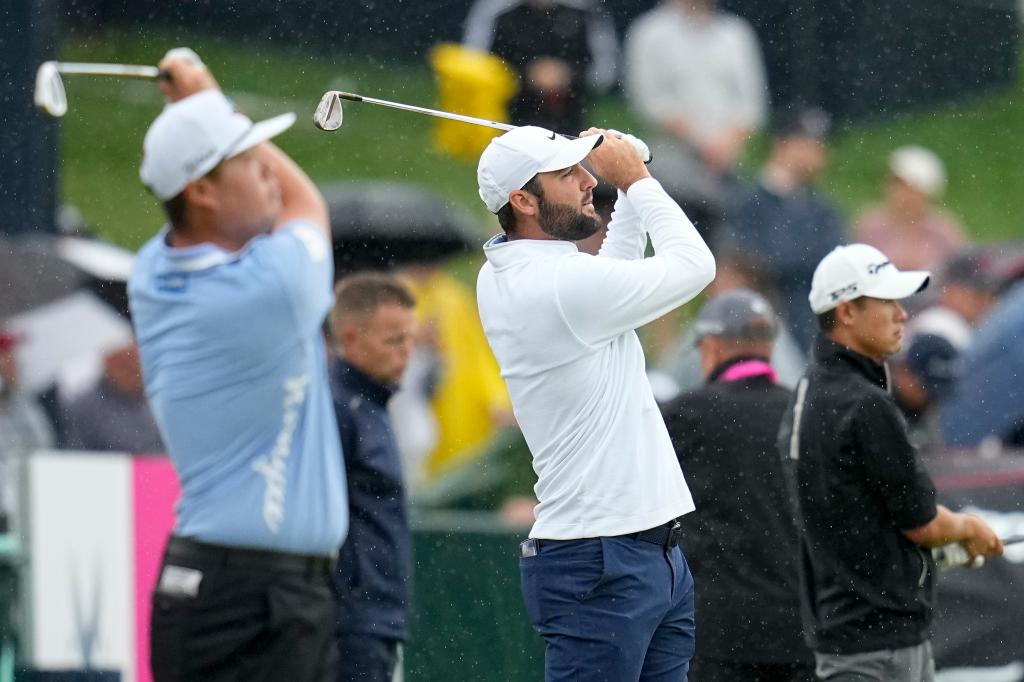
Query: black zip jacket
(857, 483)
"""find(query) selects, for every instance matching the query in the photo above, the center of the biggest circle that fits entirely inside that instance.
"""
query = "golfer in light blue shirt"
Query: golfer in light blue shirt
(228, 302)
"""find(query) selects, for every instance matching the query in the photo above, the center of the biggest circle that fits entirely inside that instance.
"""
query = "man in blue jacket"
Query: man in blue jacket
(372, 323)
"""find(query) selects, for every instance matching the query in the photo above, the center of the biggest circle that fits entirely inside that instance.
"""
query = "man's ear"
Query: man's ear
(524, 202)
(844, 313)
(201, 193)
(346, 333)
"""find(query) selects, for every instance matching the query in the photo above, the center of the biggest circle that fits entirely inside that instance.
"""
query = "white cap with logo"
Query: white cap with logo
(512, 159)
(191, 136)
(849, 272)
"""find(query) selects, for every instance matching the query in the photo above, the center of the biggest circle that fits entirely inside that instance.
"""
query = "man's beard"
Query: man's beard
(566, 222)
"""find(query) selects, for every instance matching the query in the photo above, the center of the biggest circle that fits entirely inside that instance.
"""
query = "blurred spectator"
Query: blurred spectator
(987, 401)
(741, 543)
(469, 398)
(24, 428)
(563, 50)
(907, 226)
(929, 366)
(681, 368)
(372, 323)
(114, 415)
(696, 73)
(784, 222)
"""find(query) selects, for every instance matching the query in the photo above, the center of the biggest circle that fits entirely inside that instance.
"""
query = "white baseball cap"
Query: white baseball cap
(849, 272)
(512, 159)
(920, 168)
(196, 133)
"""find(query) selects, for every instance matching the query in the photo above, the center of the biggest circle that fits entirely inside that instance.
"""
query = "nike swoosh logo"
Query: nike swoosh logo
(552, 136)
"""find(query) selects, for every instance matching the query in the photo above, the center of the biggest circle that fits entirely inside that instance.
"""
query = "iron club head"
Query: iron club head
(49, 94)
(328, 114)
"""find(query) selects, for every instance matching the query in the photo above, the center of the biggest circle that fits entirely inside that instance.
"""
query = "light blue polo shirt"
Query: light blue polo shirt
(234, 364)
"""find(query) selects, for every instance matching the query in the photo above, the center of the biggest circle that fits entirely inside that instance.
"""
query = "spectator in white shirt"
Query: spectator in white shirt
(697, 75)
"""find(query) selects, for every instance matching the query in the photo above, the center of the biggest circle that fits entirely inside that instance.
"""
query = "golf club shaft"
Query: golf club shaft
(1012, 540)
(430, 112)
(121, 70)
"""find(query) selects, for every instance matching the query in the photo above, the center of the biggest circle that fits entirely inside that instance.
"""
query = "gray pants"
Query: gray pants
(912, 664)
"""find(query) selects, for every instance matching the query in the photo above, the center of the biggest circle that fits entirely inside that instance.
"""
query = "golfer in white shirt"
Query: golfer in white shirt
(604, 582)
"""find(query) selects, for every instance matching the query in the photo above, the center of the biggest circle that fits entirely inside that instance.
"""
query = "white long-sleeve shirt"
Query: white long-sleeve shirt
(561, 324)
(709, 73)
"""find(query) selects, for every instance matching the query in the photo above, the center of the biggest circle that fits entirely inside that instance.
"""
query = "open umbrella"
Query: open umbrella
(384, 224)
(32, 274)
(63, 296)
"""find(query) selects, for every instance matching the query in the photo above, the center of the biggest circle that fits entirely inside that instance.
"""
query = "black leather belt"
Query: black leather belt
(666, 535)
(194, 554)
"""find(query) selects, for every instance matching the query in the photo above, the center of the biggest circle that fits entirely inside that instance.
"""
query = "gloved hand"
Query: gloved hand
(954, 555)
(185, 53)
(639, 145)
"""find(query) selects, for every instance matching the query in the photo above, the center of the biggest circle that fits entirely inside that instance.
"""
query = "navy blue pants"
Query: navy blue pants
(366, 658)
(615, 609)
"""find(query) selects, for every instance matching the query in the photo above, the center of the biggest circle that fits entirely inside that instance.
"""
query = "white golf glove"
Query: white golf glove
(186, 53)
(954, 555)
(639, 145)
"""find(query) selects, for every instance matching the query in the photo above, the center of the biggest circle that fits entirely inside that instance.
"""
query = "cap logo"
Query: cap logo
(839, 293)
(552, 136)
(196, 161)
(875, 267)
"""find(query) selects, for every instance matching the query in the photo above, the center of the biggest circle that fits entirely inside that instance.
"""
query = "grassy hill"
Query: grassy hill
(102, 134)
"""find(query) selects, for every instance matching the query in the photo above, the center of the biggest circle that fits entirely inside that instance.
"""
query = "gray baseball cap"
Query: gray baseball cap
(737, 314)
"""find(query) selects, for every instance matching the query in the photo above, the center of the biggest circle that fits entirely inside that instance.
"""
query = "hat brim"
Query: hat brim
(571, 153)
(261, 132)
(899, 285)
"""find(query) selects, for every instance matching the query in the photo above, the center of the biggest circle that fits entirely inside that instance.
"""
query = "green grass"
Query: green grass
(103, 130)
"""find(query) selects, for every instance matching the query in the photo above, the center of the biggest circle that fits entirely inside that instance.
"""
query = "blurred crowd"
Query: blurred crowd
(693, 74)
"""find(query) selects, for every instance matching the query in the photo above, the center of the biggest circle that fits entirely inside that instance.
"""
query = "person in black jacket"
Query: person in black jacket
(372, 323)
(866, 508)
(741, 542)
(564, 52)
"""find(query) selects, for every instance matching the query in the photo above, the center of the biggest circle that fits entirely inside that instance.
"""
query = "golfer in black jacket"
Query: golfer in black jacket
(741, 542)
(866, 508)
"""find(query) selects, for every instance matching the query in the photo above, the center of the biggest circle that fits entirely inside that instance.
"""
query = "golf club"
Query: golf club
(51, 97)
(329, 116)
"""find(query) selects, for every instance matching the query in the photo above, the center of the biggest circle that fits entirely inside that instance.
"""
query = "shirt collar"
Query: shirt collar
(351, 377)
(200, 256)
(828, 352)
(500, 251)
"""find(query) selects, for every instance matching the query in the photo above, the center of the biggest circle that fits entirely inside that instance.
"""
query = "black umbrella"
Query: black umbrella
(65, 297)
(384, 224)
(32, 274)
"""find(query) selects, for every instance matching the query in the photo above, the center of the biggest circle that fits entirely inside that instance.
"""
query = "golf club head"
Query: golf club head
(49, 94)
(328, 114)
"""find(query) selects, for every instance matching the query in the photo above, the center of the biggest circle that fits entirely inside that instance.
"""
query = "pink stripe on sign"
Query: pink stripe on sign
(154, 492)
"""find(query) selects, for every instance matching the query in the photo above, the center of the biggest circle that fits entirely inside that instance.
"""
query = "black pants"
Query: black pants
(222, 614)
(703, 669)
